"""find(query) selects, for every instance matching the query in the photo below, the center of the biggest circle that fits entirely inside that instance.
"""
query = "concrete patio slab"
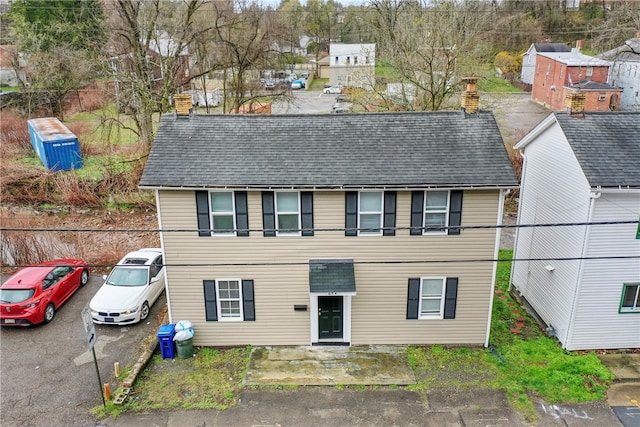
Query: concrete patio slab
(329, 365)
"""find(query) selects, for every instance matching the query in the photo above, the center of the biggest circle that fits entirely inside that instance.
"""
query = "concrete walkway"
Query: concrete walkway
(624, 395)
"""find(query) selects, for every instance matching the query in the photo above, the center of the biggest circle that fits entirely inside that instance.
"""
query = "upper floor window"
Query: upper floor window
(436, 212)
(222, 213)
(348, 60)
(355, 60)
(589, 71)
(337, 60)
(287, 213)
(370, 213)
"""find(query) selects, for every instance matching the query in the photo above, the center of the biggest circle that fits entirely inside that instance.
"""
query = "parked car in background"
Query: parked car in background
(33, 294)
(298, 84)
(131, 288)
(270, 85)
(332, 89)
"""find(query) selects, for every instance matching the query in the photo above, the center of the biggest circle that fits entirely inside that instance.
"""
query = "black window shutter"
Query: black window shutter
(455, 212)
(450, 297)
(242, 214)
(210, 307)
(202, 210)
(389, 213)
(351, 213)
(413, 299)
(268, 214)
(248, 306)
(417, 212)
(306, 203)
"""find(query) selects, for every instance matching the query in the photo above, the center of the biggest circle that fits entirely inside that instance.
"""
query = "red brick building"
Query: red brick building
(559, 74)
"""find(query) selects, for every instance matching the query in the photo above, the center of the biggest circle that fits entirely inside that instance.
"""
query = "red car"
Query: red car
(33, 294)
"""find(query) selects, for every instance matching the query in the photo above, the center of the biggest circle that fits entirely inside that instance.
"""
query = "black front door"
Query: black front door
(330, 317)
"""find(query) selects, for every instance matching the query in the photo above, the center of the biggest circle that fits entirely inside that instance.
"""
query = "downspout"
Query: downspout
(593, 195)
(164, 255)
(495, 264)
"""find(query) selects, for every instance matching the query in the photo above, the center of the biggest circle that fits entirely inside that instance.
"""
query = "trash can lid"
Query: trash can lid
(165, 330)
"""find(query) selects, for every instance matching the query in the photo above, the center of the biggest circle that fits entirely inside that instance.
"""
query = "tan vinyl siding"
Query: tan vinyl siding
(382, 268)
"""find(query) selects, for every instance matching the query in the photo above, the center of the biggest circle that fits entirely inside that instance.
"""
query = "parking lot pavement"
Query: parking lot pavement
(47, 374)
(305, 102)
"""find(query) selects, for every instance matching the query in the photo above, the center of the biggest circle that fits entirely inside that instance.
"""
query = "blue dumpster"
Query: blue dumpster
(165, 337)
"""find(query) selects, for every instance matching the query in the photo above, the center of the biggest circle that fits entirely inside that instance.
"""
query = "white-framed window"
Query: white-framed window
(432, 292)
(222, 213)
(436, 212)
(229, 299)
(370, 207)
(287, 211)
(630, 301)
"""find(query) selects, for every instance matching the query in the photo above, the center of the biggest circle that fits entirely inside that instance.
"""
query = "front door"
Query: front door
(330, 318)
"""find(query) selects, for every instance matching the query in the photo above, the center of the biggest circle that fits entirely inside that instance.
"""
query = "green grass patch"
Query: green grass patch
(496, 84)
(212, 379)
(535, 364)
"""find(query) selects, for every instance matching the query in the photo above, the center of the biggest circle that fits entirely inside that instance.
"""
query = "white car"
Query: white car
(131, 288)
(332, 89)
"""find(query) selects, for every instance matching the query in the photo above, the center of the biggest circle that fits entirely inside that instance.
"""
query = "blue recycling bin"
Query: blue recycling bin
(165, 337)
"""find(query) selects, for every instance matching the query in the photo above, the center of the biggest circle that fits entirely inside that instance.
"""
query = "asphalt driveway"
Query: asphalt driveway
(47, 373)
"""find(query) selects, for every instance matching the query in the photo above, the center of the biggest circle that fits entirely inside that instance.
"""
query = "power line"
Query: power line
(291, 230)
(381, 262)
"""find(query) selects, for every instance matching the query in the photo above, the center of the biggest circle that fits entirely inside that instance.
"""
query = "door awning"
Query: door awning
(332, 276)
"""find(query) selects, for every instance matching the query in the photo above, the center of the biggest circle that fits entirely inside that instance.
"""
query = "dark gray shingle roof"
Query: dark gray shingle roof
(329, 150)
(331, 275)
(607, 146)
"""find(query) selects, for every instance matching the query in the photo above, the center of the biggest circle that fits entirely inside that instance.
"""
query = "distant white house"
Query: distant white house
(625, 72)
(582, 280)
(352, 64)
(529, 58)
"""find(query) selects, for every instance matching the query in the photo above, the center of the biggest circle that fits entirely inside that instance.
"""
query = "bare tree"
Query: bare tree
(149, 58)
(428, 47)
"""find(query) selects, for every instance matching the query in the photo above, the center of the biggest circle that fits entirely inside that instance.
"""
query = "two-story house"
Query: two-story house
(352, 64)
(582, 275)
(312, 229)
(560, 75)
(625, 72)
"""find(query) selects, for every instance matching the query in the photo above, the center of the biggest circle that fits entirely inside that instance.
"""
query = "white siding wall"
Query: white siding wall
(554, 190)
(598, 323)
(626, 74)
(379, 307)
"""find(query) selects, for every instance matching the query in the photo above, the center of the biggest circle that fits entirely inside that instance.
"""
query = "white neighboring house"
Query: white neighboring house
(625, 72)
(352, 64)
(582, 170)
(529, 58)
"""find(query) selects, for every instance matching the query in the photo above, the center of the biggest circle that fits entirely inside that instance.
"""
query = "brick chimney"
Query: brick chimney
(575, 103)
(183, 104)
(579, 44)
(470, 97)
